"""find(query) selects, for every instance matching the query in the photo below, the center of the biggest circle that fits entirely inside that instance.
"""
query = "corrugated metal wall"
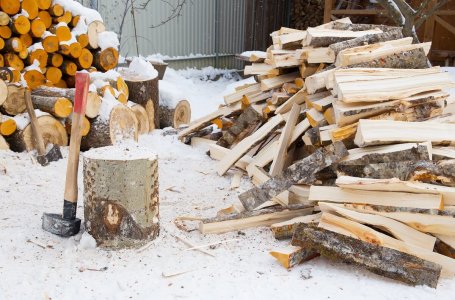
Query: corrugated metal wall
(214, 28)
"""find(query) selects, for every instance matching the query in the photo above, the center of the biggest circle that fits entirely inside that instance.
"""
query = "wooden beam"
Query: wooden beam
(445, 24)
(393, 199)
(278, 81)
(328, 6)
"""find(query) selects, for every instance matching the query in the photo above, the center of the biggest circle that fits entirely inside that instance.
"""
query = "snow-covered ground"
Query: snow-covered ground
(37, 265)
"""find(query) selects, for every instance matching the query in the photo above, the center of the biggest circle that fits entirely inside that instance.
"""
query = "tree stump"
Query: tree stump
(175, 114)
(121, 203)
(144, 91)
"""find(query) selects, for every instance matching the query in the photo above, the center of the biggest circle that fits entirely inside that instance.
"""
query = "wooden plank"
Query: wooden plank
(397, 185)
(445, 24)
(394, 199)
(248, 143)
(397, 229)
(373, 132)
(204, 121)
(261, 218)
(284, 142)
(367, 234)
(218, 153)
(265, 156)
(260, 69)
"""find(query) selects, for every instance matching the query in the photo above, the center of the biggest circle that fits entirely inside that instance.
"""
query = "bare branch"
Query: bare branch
(405, 8)
(395, 13)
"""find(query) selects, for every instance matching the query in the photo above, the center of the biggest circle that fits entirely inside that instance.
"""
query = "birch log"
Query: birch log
(121, 196)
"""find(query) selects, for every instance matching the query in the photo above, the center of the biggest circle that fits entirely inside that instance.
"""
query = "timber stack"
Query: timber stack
(347, 135)
(44, 43)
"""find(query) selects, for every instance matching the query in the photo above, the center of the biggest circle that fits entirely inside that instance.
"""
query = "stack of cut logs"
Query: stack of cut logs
(44, 43)
(348, 137)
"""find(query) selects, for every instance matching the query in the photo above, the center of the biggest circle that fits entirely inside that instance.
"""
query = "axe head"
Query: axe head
(53, 155)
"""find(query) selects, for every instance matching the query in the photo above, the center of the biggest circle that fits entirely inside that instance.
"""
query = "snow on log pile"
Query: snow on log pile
(346, 136)
(44, 44)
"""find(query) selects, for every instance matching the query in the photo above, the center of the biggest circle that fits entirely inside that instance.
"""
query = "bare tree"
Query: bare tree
(409, 18)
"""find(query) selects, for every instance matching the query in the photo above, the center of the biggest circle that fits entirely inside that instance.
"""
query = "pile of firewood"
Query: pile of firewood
(348, 139)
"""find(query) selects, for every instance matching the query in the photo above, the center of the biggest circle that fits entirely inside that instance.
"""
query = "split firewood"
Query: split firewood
(400, 199)
(285, 230)
(325, 37)
(293, 256)
(53, 133)
(301, 172)
(444, 248)
(398, 265)
(249, 118)
(396, 185)
(373, 132)
(441, 153)
(244, 220)
(175, 114)
(367, 39)
(388, 153)
(439, 173)
(397, 229)
(367, 234)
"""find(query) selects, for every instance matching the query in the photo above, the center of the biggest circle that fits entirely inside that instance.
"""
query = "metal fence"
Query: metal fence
(215, 29)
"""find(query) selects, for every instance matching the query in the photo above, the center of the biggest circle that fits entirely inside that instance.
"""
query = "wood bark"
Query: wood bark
(440, 173)
(377, 259)
(145, 92)
(291, 257)
(120, 124)
(301, 172)
(179, 114)
(367, 39)
(121, 197)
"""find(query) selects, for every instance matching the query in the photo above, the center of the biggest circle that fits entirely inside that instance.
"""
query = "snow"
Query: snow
(35, 46)
(22, 120)
(108, 39)
(35, 264)
(81, 26)
(15, 43)
(108, 102)
(197, 87)
(77, 9)
(140, 69)
(261, 54)
(35, 66)
(122, 152)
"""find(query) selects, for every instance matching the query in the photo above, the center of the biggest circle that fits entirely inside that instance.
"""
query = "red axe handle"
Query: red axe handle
(80, 101)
